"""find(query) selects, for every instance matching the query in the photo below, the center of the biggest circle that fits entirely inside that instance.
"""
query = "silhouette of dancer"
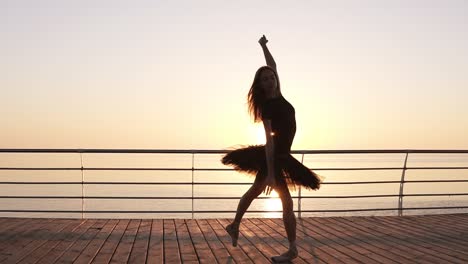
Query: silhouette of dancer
(272, 164)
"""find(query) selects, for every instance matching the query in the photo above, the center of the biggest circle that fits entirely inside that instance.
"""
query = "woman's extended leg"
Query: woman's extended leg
(289, 220)
(254, 191)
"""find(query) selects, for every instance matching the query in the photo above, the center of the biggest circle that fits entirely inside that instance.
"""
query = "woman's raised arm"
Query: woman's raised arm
(268, 57)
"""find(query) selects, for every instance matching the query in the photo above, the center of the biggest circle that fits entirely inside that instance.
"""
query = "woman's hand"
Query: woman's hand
(263, 41)
(270, 183)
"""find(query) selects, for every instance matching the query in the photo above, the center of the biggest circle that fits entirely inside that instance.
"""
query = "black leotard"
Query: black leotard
(283, 122)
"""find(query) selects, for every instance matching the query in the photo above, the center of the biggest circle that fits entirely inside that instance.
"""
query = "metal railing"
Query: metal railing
(404, 168)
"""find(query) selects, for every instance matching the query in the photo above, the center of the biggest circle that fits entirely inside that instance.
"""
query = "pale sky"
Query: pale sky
(175, 74)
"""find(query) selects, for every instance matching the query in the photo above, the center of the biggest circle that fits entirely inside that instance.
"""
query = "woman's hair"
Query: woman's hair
(256, 96)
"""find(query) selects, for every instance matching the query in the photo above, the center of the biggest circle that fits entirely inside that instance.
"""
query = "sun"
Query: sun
(260, 133)
(256, 133)
(273, 204)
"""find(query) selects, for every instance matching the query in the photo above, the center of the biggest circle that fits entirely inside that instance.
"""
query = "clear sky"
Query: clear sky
(175, 74)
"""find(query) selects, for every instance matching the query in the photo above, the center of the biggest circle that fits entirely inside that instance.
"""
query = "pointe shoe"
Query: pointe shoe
(286, 257)
(233, 231)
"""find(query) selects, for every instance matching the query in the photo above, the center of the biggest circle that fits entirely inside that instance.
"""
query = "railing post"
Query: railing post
(402, 183)
(82, 185)
(193, 169)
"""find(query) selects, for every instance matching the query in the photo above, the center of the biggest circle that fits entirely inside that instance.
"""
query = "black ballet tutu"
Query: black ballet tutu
(251, 160)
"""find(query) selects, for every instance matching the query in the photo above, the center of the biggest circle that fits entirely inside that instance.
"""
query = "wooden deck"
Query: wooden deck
(391, 239)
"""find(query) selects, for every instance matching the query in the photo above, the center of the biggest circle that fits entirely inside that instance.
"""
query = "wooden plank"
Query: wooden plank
(13, 245)
(11, 232)
(456, 222)
(67, 241)
(30, 242)
(269, 236)
(9, 227)
(204, 252)
(305, 243)
(217, 247)
(446, 234)
(405, 240)
(455, 225)
(107, 250)
(237, 253)
(44, 249)
(72, 253)
(264, 242)
(171, 247)
(387, 239)
(357, 248)
(432, 236)
(6, 221)
(438, 226)
(17, 232)
(314, 243)
(140, 247)
(281, 243)
(91, 250)
(122, 252)
(429, 237)
(383, 240)
(156, 242)
(186, 247)
(374, 241)
(245, 242)
(359, 254)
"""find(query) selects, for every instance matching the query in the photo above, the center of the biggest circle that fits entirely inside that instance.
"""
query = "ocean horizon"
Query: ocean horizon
(175, 169)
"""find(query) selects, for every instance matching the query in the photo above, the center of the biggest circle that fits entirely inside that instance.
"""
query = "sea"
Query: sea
(159, 185)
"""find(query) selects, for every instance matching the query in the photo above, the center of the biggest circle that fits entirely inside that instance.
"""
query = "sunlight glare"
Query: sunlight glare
(257, 133)
(273, 204)
(260, 134)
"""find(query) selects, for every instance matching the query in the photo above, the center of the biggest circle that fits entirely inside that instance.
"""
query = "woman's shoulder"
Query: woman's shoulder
(274, 99)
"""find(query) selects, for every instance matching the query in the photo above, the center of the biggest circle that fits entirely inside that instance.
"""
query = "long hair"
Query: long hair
(256, 96)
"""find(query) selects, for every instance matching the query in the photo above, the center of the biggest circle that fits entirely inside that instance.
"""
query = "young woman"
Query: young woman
(272, 164)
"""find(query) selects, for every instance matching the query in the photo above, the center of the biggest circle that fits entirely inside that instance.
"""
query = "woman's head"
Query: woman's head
(265, 85)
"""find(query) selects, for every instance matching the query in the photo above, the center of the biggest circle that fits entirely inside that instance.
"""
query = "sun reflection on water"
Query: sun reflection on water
(273, 204)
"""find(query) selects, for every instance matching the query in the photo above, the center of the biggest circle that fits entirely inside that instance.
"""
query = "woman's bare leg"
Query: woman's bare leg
(254, 191)
(289, 220)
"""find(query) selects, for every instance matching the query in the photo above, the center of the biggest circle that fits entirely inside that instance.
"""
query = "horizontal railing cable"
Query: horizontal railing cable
(220, 183)
(184, 183)
(227, 211)
(222, 197)
(221, 169)
(193, 183)
(205, 151)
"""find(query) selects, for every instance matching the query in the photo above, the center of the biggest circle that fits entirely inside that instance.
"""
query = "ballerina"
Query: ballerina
(272, 164)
